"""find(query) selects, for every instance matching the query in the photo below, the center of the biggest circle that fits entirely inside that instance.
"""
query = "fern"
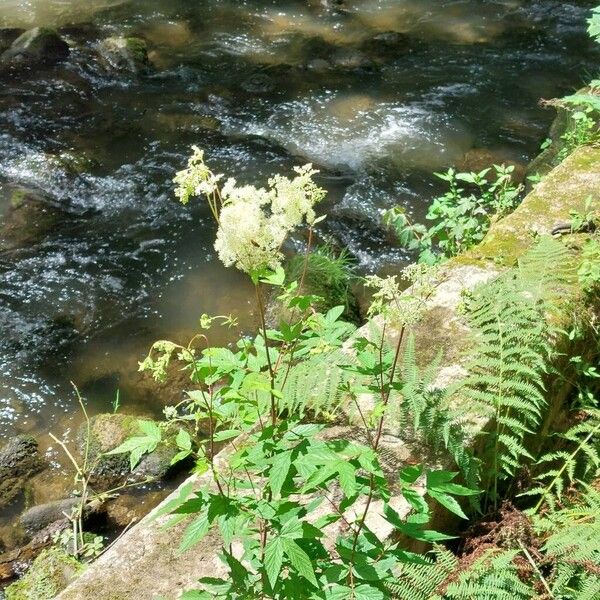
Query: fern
(508, 317)
(505, 376)
(579, 462)
(494, 576)
(314, 384)
(573, 547)
(425, 410)
(547, 270)
(422, 581)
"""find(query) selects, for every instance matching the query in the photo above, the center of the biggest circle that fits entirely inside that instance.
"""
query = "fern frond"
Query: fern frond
(314, 384)
(421, 582)
(580, 463)
(494, 576)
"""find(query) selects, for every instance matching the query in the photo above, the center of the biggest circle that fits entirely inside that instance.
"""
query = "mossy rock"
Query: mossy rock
(40, 45)
(126, 54)
(564, 190)
(562, 124)
(51, 572)
(107, 432)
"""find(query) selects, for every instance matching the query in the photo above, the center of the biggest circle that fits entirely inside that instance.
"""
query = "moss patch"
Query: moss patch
(549, 204)
(50, 573)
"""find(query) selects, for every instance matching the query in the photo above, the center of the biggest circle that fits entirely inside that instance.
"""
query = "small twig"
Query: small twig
(535, 568)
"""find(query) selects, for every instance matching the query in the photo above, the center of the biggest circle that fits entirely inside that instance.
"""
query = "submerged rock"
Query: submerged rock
(26, 217)
(19, 460)
(126, 54)
(40, 45)
(51, 572)
(478, 159)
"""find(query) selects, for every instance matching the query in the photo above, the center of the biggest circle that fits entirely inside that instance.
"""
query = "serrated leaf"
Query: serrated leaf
(183, 440)
(449, 502)
(300, 560)
(273, 560)
(194, 532)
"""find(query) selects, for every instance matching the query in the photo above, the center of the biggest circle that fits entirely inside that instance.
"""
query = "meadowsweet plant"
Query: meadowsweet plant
(293, 506)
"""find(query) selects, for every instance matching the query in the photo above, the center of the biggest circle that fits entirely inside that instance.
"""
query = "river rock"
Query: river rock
(125, 54)
(19, 460)
(107, 432)
(40, 45)
(386, 45)
(50, 573)
(39, 517)
(478, 159)
(26, 216)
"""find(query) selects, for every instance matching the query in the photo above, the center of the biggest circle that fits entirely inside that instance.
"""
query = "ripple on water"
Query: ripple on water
(326, 130)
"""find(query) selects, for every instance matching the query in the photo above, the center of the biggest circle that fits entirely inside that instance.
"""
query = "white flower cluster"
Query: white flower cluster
(254, 222)
(197, 179)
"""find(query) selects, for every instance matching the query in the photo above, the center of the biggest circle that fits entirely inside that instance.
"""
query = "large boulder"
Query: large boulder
(107, 432)
(50, 573)
(19, 460)
(37, 46)
(125, 54)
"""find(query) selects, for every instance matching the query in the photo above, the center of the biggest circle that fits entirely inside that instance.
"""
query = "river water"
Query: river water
(378, 94)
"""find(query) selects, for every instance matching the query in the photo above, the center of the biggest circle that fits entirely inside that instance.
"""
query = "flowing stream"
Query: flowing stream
(379, 94)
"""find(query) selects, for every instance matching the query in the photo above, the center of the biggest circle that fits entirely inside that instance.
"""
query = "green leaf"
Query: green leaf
(273, 560)
(367, 592)
(449, 502)
(276, 277)
(300, 560)
(140, 445)
(196, 595)
(194, 532)
(409, 474)
(183, 440)
(226, 434)
(184, 491)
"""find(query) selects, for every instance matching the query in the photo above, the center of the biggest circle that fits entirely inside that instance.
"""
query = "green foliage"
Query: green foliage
(426, 413)
(573, 546)
(506, 370)
(422, 581)
(563, 468)
(584, 130)
(594, 24)
(327, 275)
(494, 576)
(589, 270)
(505, 373)
(137, 446)
(462, 216)
(292, 506)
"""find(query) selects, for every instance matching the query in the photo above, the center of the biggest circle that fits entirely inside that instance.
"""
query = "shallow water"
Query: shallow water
(378, 95)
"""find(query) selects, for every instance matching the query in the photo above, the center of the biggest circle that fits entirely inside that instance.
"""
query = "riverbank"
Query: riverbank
(146, 561)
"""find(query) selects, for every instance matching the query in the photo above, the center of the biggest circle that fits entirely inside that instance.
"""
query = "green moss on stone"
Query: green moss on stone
(50, 573)
(564, 190)
(17, 198)
(137, 48)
